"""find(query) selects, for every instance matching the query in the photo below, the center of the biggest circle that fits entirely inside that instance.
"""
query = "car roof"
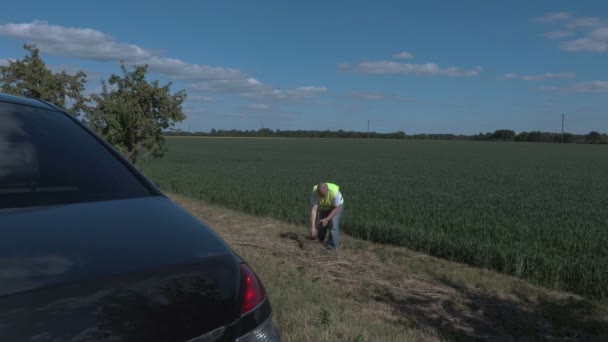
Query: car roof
(27, 102)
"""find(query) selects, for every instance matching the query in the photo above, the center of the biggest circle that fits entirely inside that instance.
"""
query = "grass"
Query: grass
(535, 211)
(375, 292)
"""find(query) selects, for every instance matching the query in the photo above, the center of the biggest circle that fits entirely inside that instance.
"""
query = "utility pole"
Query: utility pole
(367, 129)
(562, 128)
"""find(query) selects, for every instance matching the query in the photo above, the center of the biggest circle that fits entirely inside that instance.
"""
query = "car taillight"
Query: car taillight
(254, 290)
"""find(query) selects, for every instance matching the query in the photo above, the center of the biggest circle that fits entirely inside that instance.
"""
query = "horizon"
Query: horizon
(429, 68)
(179, 130)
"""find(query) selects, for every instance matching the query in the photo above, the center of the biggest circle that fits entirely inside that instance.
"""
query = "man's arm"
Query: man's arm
(313, 220)
(335, 210)
(331, 215)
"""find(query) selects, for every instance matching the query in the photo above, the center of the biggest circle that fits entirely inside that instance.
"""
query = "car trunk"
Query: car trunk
(137, 269)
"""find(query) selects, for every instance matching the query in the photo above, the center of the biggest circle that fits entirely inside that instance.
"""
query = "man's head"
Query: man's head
(322, 189)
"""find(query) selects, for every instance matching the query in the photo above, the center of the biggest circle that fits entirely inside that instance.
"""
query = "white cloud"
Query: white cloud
(548, 76)
(558, 34)
(95, 45)
(585, 22)
(585, 44)
(228, 85)
(299, 93)
(588, 33)
(258, 106)
(310, 89)
(600, 34)
(591, 87)
(396, 68)
(77, 42)
(403, 55)
(539, 77)
(554, 17)
(180, 70)
(251, 88)
(595, 41)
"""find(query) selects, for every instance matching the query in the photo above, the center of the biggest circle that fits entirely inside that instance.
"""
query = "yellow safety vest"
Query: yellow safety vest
(327, 202)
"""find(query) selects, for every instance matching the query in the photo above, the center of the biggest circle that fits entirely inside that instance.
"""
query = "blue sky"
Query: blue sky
(419, 66)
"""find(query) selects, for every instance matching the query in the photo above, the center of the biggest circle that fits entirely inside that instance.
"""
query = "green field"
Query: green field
(537, 211)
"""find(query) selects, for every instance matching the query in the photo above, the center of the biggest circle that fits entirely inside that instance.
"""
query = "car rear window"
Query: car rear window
(48, 159)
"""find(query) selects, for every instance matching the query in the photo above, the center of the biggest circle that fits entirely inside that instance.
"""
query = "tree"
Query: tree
(523, 136)
(503, 134)
(31, 78)
(593, 137)
(131, 113)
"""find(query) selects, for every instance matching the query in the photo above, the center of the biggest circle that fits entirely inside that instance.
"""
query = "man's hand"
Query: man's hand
(313, 233)
(324, 222)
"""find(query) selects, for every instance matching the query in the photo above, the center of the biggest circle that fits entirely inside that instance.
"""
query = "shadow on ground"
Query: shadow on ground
(459, 312)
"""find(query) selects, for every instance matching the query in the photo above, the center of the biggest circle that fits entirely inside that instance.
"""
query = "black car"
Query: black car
(91, 250)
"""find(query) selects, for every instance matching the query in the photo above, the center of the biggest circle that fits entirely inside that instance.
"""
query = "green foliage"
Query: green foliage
(499, 135)
(31, 78)
(324, 318)
(536, 211)
(503, 135)
(593, 138)
(267, 132)
(131, 113)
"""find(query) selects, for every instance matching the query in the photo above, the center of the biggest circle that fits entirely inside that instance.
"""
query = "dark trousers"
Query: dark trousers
(333, 227)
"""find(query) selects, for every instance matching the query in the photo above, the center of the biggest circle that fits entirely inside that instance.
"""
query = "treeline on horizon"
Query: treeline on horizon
(498, 135)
